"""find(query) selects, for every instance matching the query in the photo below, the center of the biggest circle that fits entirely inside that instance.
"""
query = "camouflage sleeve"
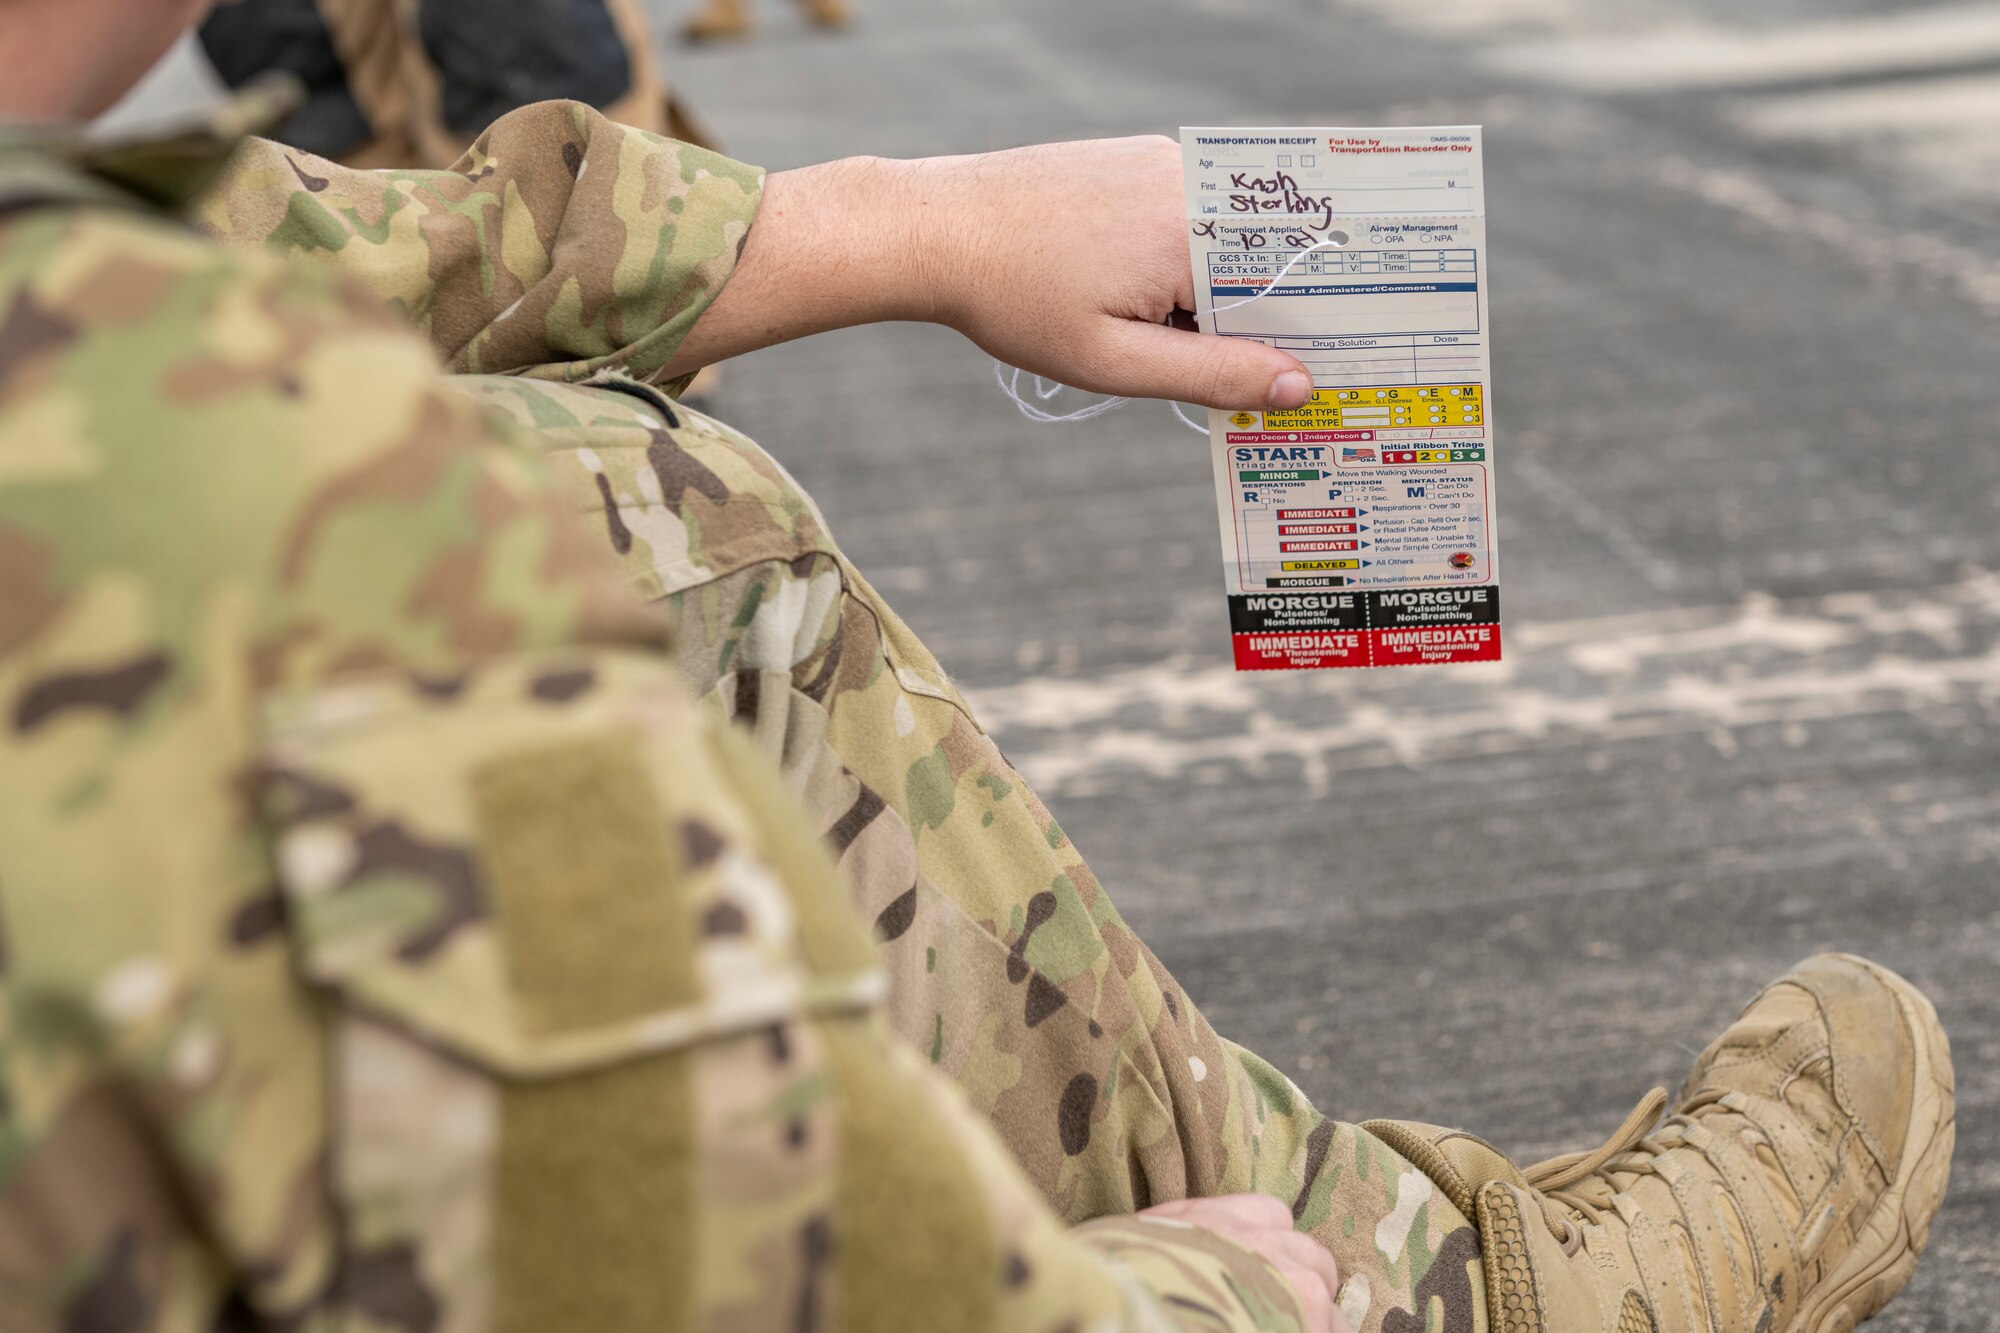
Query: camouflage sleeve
(389, 940)
(561, 244)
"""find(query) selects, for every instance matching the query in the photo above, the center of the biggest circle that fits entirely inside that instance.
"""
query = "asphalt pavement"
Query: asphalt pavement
(1751, 703)
(1751, 707)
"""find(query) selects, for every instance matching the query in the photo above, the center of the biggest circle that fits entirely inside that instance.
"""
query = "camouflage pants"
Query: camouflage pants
(1011, 970)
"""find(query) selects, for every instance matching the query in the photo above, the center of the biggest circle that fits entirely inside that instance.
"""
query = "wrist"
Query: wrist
(872, 238)
(859, 240)
(935, 216)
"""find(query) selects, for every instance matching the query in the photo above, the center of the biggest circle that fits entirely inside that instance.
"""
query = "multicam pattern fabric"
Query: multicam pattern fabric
(563, 245)
(390, 941)
(1010, 968)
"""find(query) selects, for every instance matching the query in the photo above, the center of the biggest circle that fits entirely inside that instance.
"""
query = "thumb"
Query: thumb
(1154, 361)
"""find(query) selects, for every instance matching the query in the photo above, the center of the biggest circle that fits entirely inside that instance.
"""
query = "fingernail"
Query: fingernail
(1290, 389)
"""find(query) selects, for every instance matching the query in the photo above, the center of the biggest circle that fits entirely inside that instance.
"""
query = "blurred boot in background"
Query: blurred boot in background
(409, 83)
(718, 20)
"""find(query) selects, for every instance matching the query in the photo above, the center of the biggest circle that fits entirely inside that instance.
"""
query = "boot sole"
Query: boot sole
(1873, 1273)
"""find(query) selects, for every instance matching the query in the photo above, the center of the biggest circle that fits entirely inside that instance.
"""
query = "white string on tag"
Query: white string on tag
(1009, 377)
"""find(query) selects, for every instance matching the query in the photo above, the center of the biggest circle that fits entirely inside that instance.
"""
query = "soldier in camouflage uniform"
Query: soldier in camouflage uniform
(311, 684)
(1009, 967)
(393, 940)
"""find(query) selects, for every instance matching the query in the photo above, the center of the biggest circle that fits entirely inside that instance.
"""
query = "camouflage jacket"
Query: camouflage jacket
(385, 941)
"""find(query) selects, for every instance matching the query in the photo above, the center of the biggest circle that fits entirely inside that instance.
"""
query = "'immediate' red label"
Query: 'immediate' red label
(1321, 649)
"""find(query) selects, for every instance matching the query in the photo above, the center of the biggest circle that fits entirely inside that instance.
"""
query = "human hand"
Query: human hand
(1261, 1223)
(1067, 259)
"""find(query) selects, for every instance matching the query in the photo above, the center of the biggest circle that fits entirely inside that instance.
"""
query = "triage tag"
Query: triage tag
(1357, 530)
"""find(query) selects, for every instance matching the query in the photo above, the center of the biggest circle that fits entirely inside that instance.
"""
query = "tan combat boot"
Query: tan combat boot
(718, 20)
(1790, 1191)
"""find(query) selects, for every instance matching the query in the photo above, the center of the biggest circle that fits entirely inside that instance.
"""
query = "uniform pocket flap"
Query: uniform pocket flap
(550, 866)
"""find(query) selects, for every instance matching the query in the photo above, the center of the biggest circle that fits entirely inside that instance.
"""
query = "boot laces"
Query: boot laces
(1583, 1184)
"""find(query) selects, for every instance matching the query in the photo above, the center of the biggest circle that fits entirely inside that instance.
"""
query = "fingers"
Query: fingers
(1264, 1224)
(1306, 1253)
(1315, 1303)
(1259, 1211)
(1235, 374)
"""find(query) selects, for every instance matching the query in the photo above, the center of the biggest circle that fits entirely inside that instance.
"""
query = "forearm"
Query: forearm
(1063, 259)
(833, 245)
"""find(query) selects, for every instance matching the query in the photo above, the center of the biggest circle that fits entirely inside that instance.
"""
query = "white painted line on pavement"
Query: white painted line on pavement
(1709, 56)
(1937, 129)
(1964, 106)
(1973, 273)
(1462, 18)
(1696, 684)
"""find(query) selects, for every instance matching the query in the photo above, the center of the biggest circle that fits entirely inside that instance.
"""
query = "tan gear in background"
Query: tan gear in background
(406, 84)
(392, 77)
(722, 20)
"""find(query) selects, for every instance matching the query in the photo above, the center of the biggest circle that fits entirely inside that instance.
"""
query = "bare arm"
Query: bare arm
(1063, 259)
